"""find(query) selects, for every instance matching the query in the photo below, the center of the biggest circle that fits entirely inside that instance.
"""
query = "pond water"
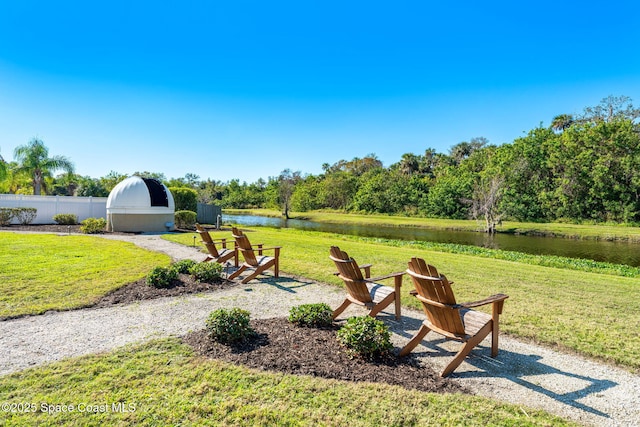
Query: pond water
(613, 252)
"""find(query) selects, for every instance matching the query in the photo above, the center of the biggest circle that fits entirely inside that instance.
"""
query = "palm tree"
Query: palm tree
(33, 159)
(562, 122)
(409, 164)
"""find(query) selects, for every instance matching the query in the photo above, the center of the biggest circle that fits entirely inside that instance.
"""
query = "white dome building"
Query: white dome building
(140, 205)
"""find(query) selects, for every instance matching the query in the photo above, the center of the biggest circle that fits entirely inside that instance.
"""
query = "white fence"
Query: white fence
(48, 206)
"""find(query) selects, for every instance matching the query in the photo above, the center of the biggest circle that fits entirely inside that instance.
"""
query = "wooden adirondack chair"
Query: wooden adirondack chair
(446, 317)
(220, 256)
(365, 291)
(259, 263)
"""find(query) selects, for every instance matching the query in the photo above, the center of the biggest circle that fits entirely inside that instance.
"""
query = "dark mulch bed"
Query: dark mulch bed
(283, 347)
(139, 290)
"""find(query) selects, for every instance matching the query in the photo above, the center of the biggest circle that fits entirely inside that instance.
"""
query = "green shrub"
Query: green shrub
(185, 219)
(229, 326)
(25, 215)
(315, 315)
(6, 215)
(185, 199)
(183, 266)
(93, 225)
(161, 277)
(66, 219)
(206, 271)
(365, 337)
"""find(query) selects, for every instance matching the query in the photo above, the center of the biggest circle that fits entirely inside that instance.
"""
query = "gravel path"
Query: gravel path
(524, 374)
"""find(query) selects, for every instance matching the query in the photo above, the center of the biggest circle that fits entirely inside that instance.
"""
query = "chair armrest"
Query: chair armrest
(388, 276)
(222, 241)
(260, 249)
(490, 300)
(367, 270)
(267, 249)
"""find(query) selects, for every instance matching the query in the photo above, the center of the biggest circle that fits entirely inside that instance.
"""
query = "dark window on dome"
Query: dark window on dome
(156, 192)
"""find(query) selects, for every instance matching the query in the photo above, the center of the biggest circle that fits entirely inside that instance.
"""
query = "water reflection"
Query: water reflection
(614, 252)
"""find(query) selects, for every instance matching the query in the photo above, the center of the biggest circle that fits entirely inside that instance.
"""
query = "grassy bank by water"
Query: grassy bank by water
(595, 314)
(167, 385)
(574, 231)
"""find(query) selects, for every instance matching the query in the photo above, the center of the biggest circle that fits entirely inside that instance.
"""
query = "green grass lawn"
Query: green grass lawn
(577, 231)
(163, 383)
(59, 272)
(595, 314)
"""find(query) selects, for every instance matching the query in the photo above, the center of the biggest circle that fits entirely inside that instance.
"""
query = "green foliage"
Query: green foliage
(185, 199)
(33, 160)
(186, 219)
(446, 198)
(91, 187)
(229, 326)
(161, 277)
(66, 219)
(366, 337)
(315, 315)
(93, 225)
(206, 271)
(25, 215)
(6, 215)
(381, 191)
(183, 266)
(244, 196)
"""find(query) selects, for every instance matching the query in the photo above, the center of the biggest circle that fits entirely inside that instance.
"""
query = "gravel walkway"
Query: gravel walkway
(524, 374)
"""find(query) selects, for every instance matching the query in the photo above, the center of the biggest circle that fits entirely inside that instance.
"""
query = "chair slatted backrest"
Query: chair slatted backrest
(245, 247)
(438, 300)
(350, 273)
(208, 242)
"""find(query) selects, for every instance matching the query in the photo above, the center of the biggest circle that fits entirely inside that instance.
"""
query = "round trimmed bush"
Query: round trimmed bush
(183, 266)
(365, 337)
(206, 271)
(26, 216)
(229, 326)
(311, 315)
(93, 225)
(185, 219)
(66, 219)
(161, 277)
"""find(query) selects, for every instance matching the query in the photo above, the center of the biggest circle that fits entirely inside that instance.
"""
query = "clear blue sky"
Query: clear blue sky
(244, 89)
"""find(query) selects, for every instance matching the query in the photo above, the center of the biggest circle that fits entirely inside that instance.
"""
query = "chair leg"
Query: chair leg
(382, 305)
(338, 311)
(251, 276)
(417, 338)
(259, 270)
(466, 349)
(276, 268)
(494, 339)
(237, 272)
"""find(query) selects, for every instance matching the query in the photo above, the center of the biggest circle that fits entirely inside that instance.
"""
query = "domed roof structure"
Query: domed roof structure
(140, 195)
(140, 204)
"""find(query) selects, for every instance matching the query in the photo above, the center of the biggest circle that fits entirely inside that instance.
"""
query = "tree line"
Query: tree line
(580, 168)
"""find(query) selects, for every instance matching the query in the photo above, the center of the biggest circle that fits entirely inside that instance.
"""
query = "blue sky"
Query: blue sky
(244, 89)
